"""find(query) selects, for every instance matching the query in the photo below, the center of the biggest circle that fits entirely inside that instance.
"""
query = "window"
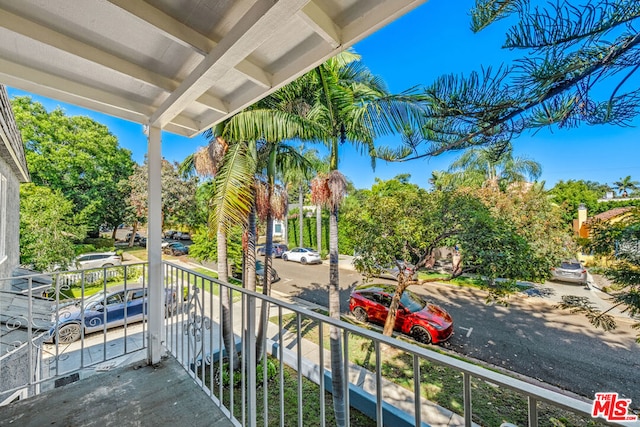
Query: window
(114, 299)
(3, 218)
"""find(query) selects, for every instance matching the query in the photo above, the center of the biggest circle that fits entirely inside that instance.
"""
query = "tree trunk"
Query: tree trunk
(389, 323)
(134, 230)
(337, 372)
(223, 275)
(266, 289)
(319, 228)
(300, 211)
(250, 259)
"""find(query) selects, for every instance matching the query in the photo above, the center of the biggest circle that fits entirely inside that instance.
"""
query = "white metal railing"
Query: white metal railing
(193, 335)
(32, 358)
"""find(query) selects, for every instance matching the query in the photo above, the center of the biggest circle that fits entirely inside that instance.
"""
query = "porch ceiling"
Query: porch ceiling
(183, 65)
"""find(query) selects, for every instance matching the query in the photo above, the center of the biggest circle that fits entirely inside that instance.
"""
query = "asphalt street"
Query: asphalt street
(529, 336)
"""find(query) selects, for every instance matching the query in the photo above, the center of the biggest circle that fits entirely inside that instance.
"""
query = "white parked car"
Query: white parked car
(302, 255)
(96, 260)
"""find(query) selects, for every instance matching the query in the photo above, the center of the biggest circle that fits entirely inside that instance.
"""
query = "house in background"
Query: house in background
(13, 171)
(581, 226)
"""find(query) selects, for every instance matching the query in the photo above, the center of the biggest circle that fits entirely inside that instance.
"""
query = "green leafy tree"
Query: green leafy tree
(528, 213)
(625, 184)
(48, 228)
(397, 220)
(569, 195)
(79, 157)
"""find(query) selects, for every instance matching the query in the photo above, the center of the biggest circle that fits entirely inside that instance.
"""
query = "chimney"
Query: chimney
(582, 218)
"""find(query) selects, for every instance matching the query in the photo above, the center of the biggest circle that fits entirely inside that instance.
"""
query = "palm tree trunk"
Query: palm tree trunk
(300, 208)
(223, 275)
(266, 290)
(319, 228)
(250, 258)
(337, 373)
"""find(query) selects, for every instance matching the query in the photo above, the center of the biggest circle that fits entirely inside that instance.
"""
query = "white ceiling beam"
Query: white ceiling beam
(322, 24)
(255, 26)
(186, 36)
(172, 28)
(69, 91)
(82, 50)
(87, 52)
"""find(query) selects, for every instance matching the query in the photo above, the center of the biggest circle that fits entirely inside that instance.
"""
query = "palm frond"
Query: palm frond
(233, 188)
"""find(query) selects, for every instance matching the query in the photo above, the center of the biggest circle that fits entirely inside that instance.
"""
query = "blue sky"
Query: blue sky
(432, 40)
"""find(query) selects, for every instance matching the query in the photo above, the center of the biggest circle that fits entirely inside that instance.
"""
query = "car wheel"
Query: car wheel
(360, 314)
(107, 265)
(303, 260)
(421, 335)
(285, 258)
(69, 333)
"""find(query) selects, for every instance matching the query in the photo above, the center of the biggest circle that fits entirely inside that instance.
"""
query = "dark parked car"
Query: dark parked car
(570, 271)
(175, 249)
(392, 271)
(425, 322)
(115, 305)
(136, 239)
(277, 250)
(259, 273)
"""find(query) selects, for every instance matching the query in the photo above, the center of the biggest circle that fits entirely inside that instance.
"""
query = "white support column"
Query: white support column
(154, 241)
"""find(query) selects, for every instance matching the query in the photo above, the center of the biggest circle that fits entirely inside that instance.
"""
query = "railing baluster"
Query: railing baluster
(299, 364)
(378, 385)
(416, 391)
(533, 411)
(466, 391)
(281, 363)
(347, 415)
(321, 370)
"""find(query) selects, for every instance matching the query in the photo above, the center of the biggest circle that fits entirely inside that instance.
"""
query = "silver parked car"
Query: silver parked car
(96, 260)
(570, 271)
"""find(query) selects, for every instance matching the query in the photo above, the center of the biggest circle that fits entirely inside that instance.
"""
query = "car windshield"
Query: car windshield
(412, 302)
(99, 297)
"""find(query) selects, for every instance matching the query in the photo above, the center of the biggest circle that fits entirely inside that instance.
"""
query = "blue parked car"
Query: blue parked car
(115, 306)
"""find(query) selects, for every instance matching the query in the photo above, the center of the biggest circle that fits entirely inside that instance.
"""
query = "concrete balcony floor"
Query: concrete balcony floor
(133, 395)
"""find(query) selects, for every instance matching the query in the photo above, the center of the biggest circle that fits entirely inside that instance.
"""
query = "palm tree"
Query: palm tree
(493, 166)
(209, 161)
(338, 102)
(351, 105)
(626, 184)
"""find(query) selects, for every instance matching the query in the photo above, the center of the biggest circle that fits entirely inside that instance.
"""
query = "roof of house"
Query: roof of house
(11, 147)
(611, 213)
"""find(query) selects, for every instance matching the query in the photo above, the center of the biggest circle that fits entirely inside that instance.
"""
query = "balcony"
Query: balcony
(103, 376)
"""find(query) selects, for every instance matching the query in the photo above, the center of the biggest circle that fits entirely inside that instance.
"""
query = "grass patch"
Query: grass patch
(310, 400)
(71, 283)
(440, 384)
